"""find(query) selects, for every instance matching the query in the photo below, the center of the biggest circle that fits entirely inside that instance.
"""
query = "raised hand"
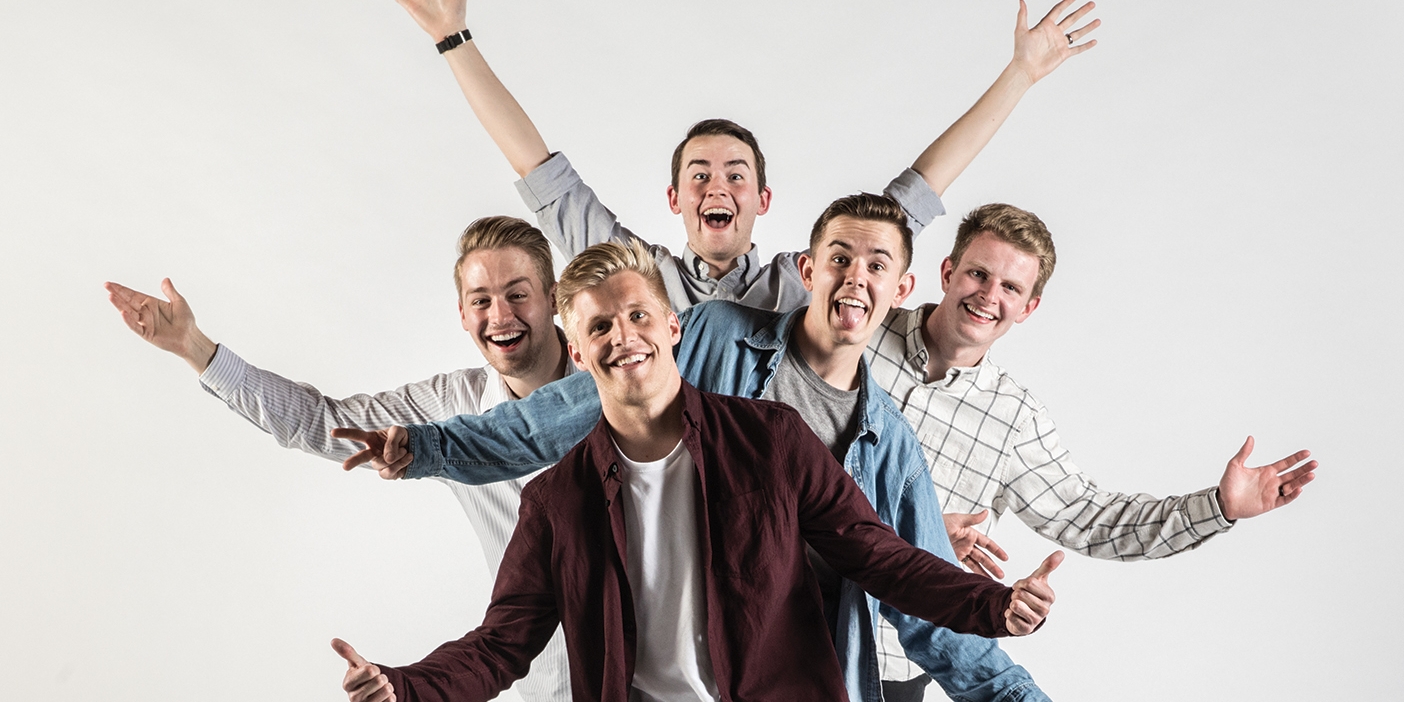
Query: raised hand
(977, 551)
(363, 681)
(1033, 598)
(439, 18)
(385, 450)
(1039, 50)
(1248, 492)
(168, 324)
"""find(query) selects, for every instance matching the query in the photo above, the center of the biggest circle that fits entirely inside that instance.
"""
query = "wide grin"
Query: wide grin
(630, 360)
(717, 217)
(986, 316)
(506, 339)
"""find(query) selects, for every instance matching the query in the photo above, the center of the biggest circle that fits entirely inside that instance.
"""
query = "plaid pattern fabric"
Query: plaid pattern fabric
(991, 445)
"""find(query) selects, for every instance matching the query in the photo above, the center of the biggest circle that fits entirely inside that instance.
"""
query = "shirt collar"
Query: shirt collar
(747, 265)
(599, 444)
(496, 390)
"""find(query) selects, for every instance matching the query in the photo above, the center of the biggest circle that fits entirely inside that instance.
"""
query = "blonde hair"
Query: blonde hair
(501, 232)
(593, 266)
(1020, 228)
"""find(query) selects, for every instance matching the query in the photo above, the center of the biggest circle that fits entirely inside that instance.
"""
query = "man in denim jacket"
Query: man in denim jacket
(856, 271)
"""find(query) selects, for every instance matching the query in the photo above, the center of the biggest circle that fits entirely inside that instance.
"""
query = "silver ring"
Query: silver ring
(1070, 39)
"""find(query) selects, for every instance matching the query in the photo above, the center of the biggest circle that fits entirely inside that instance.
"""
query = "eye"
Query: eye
(638, 315)
(878, 267)
(978, 274)
(478, 302)
(737, 177)
(519, 296)
(840, 259)
(599, 328)
(699, 176)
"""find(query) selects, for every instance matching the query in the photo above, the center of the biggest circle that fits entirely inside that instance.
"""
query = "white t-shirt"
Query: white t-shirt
(665, 575)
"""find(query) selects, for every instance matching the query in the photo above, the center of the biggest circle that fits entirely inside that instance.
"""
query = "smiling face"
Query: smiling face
(719, 196)
(855, 273)
(987, 292)
(507, 310)
(624, 337)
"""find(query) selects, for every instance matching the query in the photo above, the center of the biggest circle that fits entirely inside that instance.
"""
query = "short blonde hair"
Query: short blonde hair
(593, 266)
(1020, 228)
(501, 232)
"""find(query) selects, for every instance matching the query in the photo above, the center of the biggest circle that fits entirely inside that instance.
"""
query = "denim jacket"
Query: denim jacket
(730, 349)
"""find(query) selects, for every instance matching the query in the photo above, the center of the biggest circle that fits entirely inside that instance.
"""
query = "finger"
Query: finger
(973, 566)
(1080, 32)
(1077, 14)
(1052, 16)
(377, 689)
(359, 458)
(1036, 594)
(1022, 21)
(987, 564)
(168, 288)
(1282, 466)
(1048, 565)
(989, 544)
(1241, 458)
(346, 651)
(1019, 619)
(359, 435)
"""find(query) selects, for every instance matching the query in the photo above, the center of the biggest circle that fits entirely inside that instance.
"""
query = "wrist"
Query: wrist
(1019, 75)
(453, 39)
(199, 351)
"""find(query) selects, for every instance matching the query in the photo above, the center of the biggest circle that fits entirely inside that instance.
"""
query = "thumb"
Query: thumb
(343, 649)
(168, 288)
(1241, 457)
(1048, 565)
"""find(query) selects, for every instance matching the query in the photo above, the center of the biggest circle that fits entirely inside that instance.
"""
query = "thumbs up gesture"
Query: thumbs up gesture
(1033, 597)
(363, 681)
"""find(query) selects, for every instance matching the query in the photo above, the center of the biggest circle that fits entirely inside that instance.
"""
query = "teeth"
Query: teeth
(852, 303)
(629, 360)
(978, 313)
(718, 211)
(504, 338)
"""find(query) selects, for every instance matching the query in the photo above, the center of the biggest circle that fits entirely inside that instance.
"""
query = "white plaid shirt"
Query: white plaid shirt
(991, 445)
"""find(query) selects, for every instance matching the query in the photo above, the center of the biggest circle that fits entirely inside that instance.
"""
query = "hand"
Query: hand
(1248, 492)
(1039, 50)
(169, 326)
(1032, 598)
(973, 548)
(363, 681)
(439, 18)
(385, 450)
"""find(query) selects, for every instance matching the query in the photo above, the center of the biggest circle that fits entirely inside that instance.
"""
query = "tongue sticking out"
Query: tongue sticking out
(849, 316)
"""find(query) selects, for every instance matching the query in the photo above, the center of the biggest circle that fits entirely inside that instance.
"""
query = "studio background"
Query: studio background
(1221, 179)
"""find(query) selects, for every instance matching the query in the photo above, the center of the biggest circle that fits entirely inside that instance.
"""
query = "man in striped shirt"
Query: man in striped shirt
(506, 287)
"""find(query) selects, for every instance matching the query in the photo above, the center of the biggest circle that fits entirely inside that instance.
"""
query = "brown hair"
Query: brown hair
(1020, 228)
(599, 263)
(870, 207)
(500, 232)
(721, 127)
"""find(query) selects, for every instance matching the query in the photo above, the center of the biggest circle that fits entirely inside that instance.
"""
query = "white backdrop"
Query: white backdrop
(1218, 177)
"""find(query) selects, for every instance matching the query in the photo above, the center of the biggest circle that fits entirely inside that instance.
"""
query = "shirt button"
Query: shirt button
(613, 468)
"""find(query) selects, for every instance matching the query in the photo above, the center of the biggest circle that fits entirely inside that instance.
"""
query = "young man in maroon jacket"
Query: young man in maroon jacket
(670, 543)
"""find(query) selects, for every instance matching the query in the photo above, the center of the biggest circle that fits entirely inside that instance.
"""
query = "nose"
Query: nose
(622, 333)
(499, 312)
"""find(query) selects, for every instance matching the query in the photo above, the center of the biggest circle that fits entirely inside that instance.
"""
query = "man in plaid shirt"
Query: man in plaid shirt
(992, 446)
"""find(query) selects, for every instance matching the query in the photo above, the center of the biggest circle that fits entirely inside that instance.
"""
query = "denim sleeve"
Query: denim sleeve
(510, 440)
(969, 668)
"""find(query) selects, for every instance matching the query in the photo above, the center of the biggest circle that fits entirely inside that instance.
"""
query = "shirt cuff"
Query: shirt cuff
(428, 461)
(549, 182)
(922, 204)
(225, 373)
(1205, 516)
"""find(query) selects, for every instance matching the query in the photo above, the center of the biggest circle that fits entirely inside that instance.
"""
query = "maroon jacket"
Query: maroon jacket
(766, 486)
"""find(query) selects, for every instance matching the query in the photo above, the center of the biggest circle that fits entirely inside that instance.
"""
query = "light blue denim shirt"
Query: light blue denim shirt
(730, 349)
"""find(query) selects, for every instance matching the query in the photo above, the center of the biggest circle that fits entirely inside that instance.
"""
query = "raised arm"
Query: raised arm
(1037, 52)
(496, 109)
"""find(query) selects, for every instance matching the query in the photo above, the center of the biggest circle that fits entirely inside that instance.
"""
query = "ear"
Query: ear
(806, 271)
(673, 200)
(551, 295)
(674, 328)
(905, 286)
(764, 200)
(575, 356)
(947, 268)
(1028, 309)
(463, 316)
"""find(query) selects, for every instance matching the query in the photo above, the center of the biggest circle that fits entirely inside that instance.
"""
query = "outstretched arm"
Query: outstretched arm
(168, 324)
(1248, 492)
(1037, 51)
(496, 109)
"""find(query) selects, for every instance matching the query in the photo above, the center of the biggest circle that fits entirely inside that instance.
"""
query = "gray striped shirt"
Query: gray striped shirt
(298, 416)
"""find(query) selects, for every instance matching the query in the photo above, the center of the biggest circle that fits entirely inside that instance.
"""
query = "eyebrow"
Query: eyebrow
(510, 283)
(705, 162)
(849, 247)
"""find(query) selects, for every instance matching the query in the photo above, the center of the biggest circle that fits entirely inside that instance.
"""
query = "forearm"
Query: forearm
(1126, 527)
(947, 157)
(499, 113)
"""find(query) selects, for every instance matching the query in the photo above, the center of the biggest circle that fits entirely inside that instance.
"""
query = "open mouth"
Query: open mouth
(978, 314)
(717, 217)
(506, 340)
(850, 311)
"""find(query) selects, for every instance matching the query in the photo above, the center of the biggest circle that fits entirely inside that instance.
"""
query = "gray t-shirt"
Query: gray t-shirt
(832, 413)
